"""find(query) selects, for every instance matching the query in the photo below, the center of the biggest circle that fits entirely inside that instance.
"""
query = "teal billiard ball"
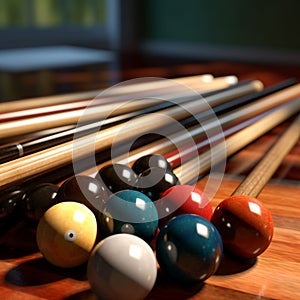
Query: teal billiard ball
(122, 266)
(189, 249)
(129, 211)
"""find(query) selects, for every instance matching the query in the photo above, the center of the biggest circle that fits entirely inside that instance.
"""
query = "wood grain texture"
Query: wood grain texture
(24, 274)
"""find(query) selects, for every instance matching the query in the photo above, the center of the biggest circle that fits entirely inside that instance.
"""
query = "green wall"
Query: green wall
(256, 23)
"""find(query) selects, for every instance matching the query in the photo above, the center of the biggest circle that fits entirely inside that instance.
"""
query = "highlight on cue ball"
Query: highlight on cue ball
(245, 225)
(122, 266)
(189, 249)
(66, 234)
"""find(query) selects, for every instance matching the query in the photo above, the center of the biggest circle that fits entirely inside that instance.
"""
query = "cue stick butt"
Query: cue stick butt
(261, 174)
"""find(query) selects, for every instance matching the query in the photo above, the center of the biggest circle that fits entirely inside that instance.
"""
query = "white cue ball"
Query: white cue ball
(122, 266)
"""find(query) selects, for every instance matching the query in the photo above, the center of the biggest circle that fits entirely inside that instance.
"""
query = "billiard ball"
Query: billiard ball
(154, 181)
(122, 266)
(66, 234)
(245, 225)
(38, 200)
(150, 161)
(189, 249)
(183, 199)
(117, 177)
(129, 211)
(11, 207)
(84, 189)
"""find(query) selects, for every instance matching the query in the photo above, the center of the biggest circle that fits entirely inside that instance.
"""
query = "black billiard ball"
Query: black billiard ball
(150, 161)
(154, 181)
(84, 189)
(38, 199)
(117, 177)
(11, 207)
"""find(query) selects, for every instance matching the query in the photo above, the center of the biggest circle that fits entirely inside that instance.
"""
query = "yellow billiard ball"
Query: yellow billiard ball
(66, 234)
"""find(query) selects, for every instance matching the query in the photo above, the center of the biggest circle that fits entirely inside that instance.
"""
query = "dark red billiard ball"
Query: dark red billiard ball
(38, 199)
(154, 181)
(245, 225)
(84, 189)
(150, 161)
(117, 177)
(183, 199)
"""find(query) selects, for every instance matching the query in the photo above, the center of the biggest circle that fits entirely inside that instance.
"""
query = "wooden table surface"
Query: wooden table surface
(24, 274)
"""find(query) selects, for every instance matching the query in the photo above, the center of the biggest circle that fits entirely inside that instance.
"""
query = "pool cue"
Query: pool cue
(230, 122)
(292, 104)
(253, 184)
(167, 149)
(126, 87)
(198, 83)
(21, 149)
(61, 155)
(19, 127)
(237, 141)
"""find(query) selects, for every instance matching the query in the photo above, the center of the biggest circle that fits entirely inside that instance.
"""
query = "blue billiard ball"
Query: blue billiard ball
(189, 248)
(129, 211)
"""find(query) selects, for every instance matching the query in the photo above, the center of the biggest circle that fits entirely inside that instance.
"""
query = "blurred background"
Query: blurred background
(60, 46)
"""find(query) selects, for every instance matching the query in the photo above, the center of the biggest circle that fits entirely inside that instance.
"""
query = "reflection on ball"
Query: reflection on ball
(189, 248)
(245, 225)
(131, 212)
(183, 199)
(122, 266)
(66, 234)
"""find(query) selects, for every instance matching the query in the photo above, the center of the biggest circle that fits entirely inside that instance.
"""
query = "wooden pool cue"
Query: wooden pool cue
(50, 159)
(242, 213)
(230, 123)
(18, 150)
(253, 184)
(20, 127)
(239, 140)
(129, 87)
(163, 87)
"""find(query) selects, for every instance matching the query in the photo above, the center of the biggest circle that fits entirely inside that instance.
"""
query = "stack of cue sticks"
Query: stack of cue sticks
(19, 168)
(29, 146)
(104, 104)
(63, 157)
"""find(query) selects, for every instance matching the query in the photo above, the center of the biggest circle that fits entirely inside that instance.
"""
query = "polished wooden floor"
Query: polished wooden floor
(24, 274)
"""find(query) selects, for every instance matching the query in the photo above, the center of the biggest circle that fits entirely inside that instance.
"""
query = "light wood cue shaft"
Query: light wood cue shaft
(248, 111)
(19, 127)
(50, 159)
(71, 97)
(236, 142)
(194, 83)
(264, 170)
